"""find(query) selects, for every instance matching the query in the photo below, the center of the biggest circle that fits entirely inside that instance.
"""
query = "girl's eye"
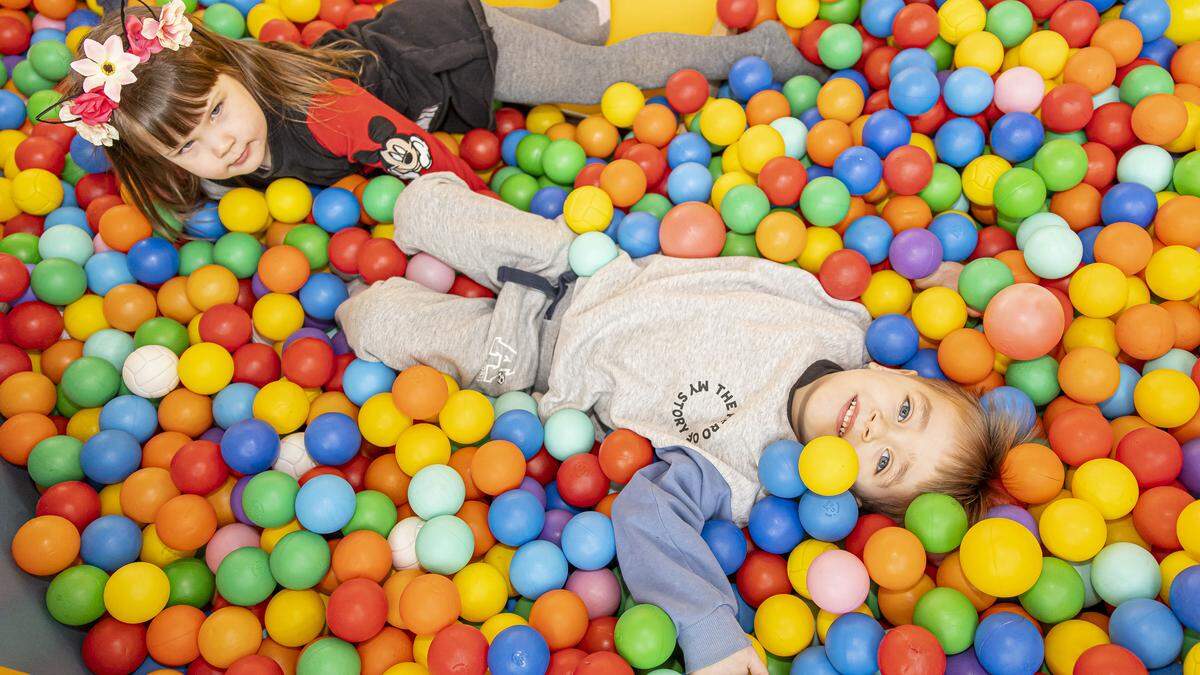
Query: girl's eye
(905, 409)
(186, 146)
(885, 460)
(217, 110)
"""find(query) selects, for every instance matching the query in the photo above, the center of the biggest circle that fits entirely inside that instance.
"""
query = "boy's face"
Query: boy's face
(900, 427)
(231, 138)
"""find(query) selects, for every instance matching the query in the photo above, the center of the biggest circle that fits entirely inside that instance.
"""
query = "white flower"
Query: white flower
(172, 28)
(96, 134)
(106, 65)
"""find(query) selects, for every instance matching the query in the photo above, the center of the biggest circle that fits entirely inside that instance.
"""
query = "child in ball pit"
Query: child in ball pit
(185, 113)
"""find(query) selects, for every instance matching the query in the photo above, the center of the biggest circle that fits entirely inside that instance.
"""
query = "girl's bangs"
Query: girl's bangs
(169, 104)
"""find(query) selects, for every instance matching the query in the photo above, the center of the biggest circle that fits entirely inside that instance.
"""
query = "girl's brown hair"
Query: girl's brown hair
(164, 105)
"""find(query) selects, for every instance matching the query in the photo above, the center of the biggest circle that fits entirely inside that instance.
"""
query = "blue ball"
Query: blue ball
(518, 650)
(1150, 16)
(516, 517)
(886, 130)
(234, 404)
(69, 215)
(1016, 136)
(855, 77)
(745, 613)
(205, 223)
(878, 16)
(852, 644)
(250, 446)
(1120, 403)
(1148, 629)
(109, 542)
(322, 294)
(1087, 236)
(810, 117)
(131, 414)
(1130, 202)
(588, 541)
(12, 110)
(1185, 597)
(153, 260)
(537, 567)
(521, 428)
(689, 182)
(1008, 644)
(105, 271)
(688, 147)
(68, 194)
(554, 500)
(828, 518)
(81, 17)
(1161, 51)
(871, 236)
(957, 233)
(335, 209)
(1013, 402)
(779, 469)
(508, 147)
(892, 339)
(47, 34)
(614, 224)
(332, 439)
(727, 544)
(748, 76)
(110, 456)
(548, 202)
(775, 525)
(912, 58)
(90, 158)
(364, 379)
(968, 91)
(638, 233)
(958, 142)
(926, 364)
(813, 661)
(859, 168)
(324, 504)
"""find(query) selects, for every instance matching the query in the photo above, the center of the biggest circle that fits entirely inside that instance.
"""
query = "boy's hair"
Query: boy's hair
(984, 438)
(169, 96)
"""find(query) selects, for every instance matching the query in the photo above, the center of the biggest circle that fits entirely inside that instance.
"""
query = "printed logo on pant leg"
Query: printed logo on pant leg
(499, 366)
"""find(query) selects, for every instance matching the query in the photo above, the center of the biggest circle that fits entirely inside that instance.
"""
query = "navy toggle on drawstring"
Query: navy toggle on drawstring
(556, 292)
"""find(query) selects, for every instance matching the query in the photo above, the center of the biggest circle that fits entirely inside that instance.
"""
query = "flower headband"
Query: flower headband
(109, 66)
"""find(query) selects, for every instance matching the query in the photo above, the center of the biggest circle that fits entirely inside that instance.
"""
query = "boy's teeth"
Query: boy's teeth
(846, 417)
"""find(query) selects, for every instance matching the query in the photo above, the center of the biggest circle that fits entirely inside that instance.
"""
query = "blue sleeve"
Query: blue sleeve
(658, 517)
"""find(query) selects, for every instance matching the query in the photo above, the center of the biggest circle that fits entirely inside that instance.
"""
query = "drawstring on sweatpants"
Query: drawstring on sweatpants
(555, 292)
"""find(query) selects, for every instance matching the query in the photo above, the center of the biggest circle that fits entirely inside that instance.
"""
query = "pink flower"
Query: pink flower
(107, 65)
(93, 107)
(171, 29)
(102, 134)
(140, 45)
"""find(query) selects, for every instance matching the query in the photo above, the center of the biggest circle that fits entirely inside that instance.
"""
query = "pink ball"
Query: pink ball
(599, 590)
(39, 22)
(1024, 321)
(692, 230)
(430, 272)
(838, 581)
(98, 243)
(1019, 90)
(227, 540)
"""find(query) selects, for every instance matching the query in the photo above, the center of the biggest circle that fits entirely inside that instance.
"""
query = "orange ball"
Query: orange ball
(597, 136)
(122, 226)
(897, 605)
(1125, 246)
(228, 634)
(286, 657)
(128, 306)
(826, 140)
(1188, 92)
(19, 433)
(173, 301)
(460, 461)
(1120, 38)
(1145, 331)
(1092, 67)
(1015, 261)
(27, 392)
(1089, 375)
(429, 603)
(498, 466)
(474, 514)
(841, 100)
(173, 637)
(561, 617)
(966, 356)
(1177, 222)
(58, 356)
(1032, 473)
(283, 269)
(384, 475)
(185, 411)
(211, 285)
(161, 448)
(1079, 435)
(1187, 323)
(145, 491)
(781, 236)
(54, 9)
(895, 558)
(624, 181)
(394, 588)
(45, 545)
(1159, 118)
(362, 554)
(906, 212)
(1063, 404)
(185, 522)
(420, 392)
(767, 106)
(1079, 206)
(389, 647)
(655, 124)
(561, 131)
(950, 574)
(1185, 64)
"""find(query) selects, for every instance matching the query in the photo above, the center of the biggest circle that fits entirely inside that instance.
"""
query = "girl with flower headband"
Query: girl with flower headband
(183, 111)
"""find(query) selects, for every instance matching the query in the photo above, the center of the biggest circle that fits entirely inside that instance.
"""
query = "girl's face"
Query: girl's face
(231, 138)
(900, 427)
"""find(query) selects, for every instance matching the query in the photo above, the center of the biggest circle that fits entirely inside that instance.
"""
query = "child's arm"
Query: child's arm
(664, 560)
(352, 123)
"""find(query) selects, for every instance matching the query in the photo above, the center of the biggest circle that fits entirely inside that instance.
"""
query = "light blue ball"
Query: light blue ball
(690, 182)
(828, 518)
(131, 414)
(588, 541)
(70, 215)
(1149, 165)
(1174, 359)
(1084, 569)
(66, 241)
(590, 251)
(1123, 571)
(445, 545)
(514, 400)
(638, 233)
(364, 379)
(958, 233)
(1148, 629)
(968, 91)
(516, 517)
(779, 469)
(109, 344)
(688, 147)
(537, 567)
(105, 271)
(1036, 223)
(325, 504)
(233, 404)
(436, 490)
(569, 432)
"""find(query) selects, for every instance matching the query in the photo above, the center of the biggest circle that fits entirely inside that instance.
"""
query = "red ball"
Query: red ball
(599, 635)
(622, 454)
(198, 469)
(1112, 125)
(95, 185)
(480, 149)
(380, 259)
(1155, 514)
(1102, 165)
(1108, 659)
(27, 223)
(1042, 9)
(845, 274)
(14, 36)
(1068, 107)
(40, 152)
(34, 325)
(783, 179)
(360, 12)
(14, 277)
(589, 175)
(313, 31)
(737, 14)
(603, 663)
(13, 359)
(1153, 455)
(344, 247)
(1075, 20)
(320, 471)
(340, 363)
(308, 362)
(508, 119)
(761, 576)
(877, 66)
(1079, 435)
(915, 26)
(458, 649)
(907, 169)
(256, 364)
(542, 468)
(202, 667)
(687, 91)
(59, 133)
(910, 650)
(809, 36)
(930, 121)
(565, 661)
(246, 297)
(74, 500)
(279, 30)
(867, 525)
(227, 325)
(650, 159)
(334, 11)
(254, 664)
(581, 481)
(466, 287)
(357, 610)
(355, 471)
(114, 648)
(993, 239)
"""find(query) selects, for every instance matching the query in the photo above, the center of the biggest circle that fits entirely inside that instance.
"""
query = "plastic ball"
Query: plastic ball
(1000, 557)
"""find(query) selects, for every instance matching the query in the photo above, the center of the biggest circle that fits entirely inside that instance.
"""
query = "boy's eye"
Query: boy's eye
(217, 110)
(905, 410)
(885, 459)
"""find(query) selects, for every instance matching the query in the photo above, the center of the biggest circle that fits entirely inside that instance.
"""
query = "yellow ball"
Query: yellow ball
(281, 404)
(277, 315)
(259, 15)
(1173, 272)
(492, 627)
(9, 140)
(960, 18)
(288, 199)
(801, 558)
(1170, 567)
(1166, 398)
(1191, 662)
(136, 592)
(295, 618)
(84, 424)
(467, 416)
(887, 292)
(409, 668)
(482, 591)
(421, 445)
(725, 183)
(37, 191)
(730, 161)
(542, 117)
(244, 210)
(1085, 331)
(1123, 530)
(925, 143)
(1187, 528)
(300, 11)
(722, 121)
(1107, 485)
(1000, 557)
(84, 317)
(981, 50)
(620, 103)
(797, 13)
(380, 422)
(8, 207)
(421, 649)
(1098, 290)
(500, 557)
(155, 552)
(1186, 141)
(1185, 21)
(938, 311)
(821, 242)
(588, 209)
(1138, 292)
(784, 625)
(1072, 529)
(205, 368)
(1046, 52)
(828, 465)
(271, 535)
(110, 500)
(1068, 640)
(979, 178)
(758, 145)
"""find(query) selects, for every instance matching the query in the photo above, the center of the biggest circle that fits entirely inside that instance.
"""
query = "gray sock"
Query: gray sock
(576, 20)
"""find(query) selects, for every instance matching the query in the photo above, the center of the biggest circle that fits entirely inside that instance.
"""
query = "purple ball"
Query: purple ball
(235, 500)
(340, 344)
(257, 287)
(599, 590)
(915, 253)
(213, 434)
(11, 61)
(1190, 476)
(1015, 513)
(306, 333)
(556, 520)
(318, 324)
(964, 663)
(530, 485)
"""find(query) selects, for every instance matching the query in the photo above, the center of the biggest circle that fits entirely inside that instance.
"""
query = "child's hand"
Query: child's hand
(737, 663)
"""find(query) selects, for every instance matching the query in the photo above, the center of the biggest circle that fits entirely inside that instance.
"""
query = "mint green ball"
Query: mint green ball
(591, 251)
(445, 545)
(436, 490)
(568, 432)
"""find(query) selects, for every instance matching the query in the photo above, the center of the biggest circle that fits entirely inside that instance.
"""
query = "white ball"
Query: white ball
(403, 542)
(151, 371)
(294, 459)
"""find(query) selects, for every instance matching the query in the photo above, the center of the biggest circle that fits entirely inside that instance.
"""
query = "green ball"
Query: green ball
(942, 53)
(55, 460)
(244, 576)
(58, 281)
(839, 11)
(740, 245)
(162, 331)
(944, 188)
(194, 255)
(51, 59)
(1038, 378)
(71, 172)
(1011, 21)
(1057, 595)
(950, 616)
(523, 607)
(29, 82)
(775, 666)
(1144, 81)
(445, 545)
(502, 174)
(65, 406)
(379, 197)
(373, 511)
(744, 207)
(1020, 193)
(825, 201)
(529, 153)
(238, 252)
(1009, 224)
(840, 46)
(192, 583)
(300, 560)
(1187, 174)
(269, 499)
(23, 246)
(1061, 163)
(519, 189)
(545, 182)
(225, 19)
(654, 204)
(329, 656)
(76, 596)
(801, 93)
(938, 520)
(591, 251)
(645, 636)
(563, 160)
(90, 381)
(312, 241)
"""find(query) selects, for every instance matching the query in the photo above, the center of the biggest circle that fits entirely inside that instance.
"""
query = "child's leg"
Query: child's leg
(536, 65)
(583, 21)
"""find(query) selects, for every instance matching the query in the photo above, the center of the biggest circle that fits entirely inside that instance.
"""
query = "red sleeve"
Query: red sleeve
(352, 123)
